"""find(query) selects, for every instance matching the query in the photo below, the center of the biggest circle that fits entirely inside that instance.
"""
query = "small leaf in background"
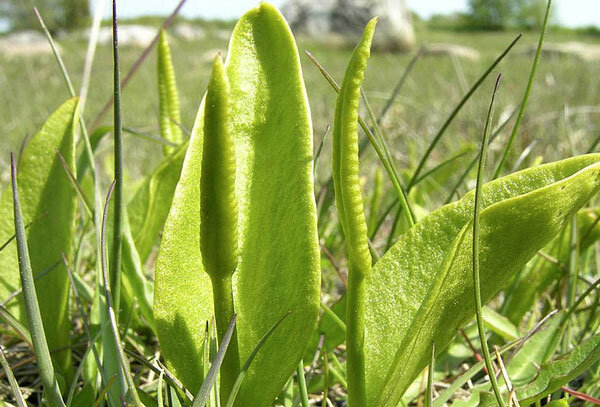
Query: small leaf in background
(555, 374)
(499, 324)
(149, 207)
(168, 101)
(47, 194)
(421, 290)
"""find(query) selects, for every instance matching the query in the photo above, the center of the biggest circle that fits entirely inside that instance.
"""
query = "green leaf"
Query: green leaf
(168, 101)
(499, 324)
(536, 279)
(552, 375)
(421, 290)
(134, 283)
(522, 367)
(279, 258)
(40, 345)
(149, 207)
(46, 193)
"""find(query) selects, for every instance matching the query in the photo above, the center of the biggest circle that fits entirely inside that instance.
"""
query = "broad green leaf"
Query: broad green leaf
(542, 273)
(421, 291)
(278, 267)
(168, 101)
(47, 196)
(182, 290)
(552, 375)
(149, 207)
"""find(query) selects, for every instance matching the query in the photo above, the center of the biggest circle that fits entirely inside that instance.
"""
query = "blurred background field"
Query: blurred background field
(561, 118)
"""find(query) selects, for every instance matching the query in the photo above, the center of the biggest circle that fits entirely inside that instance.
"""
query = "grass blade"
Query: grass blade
(118, 207)
(302, 384)
(326, 379)
(36, 327)
(240, 378)
(320, 148)
(536, 59)
(211, 377)
(410, 217)
(474, 161)
(105, 391)
(477, 283)
(139, 61)
(77, 186)
(387, 164)
(430, 371)
(14, 323)
(124, 372)
(86, 324)
(398, 87)
(457, 109)
(61, 64)
(11, 379)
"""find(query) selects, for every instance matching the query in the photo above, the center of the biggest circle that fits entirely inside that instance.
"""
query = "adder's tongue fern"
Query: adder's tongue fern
(218, 206)
(350, 208)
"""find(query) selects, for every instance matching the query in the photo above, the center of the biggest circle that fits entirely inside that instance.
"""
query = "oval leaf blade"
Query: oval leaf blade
(49, 200)
(182, 290)
(278, 268)
(279, 254)
(423, 285)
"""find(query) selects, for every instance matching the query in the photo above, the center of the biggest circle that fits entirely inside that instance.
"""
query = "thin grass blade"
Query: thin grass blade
(536, 60)
(211, 377)
(12, 380)
(36, 327)
(477, 283)
(240, 378)
(457, 109)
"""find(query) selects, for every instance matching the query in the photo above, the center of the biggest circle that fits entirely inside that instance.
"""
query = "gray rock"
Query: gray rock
(189, 32)
(129, 34)
(452, 50)
(344, 20)
(25, 43)
(579, 50)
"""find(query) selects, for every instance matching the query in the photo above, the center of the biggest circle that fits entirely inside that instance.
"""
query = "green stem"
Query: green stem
(224, 312)
(115, 269)
(476, 278)
(302, 384)
(355, 340)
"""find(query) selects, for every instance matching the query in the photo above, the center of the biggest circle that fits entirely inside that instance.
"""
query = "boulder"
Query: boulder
(344, 20)
(134, 35)
(451, 50)
(188, 32)
(25, 43)
(580, 50)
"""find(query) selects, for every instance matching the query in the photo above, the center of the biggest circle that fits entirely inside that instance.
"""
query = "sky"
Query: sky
(572, 13)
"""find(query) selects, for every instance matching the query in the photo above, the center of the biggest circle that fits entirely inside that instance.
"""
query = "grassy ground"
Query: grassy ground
(560, 120)
(32, 87)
